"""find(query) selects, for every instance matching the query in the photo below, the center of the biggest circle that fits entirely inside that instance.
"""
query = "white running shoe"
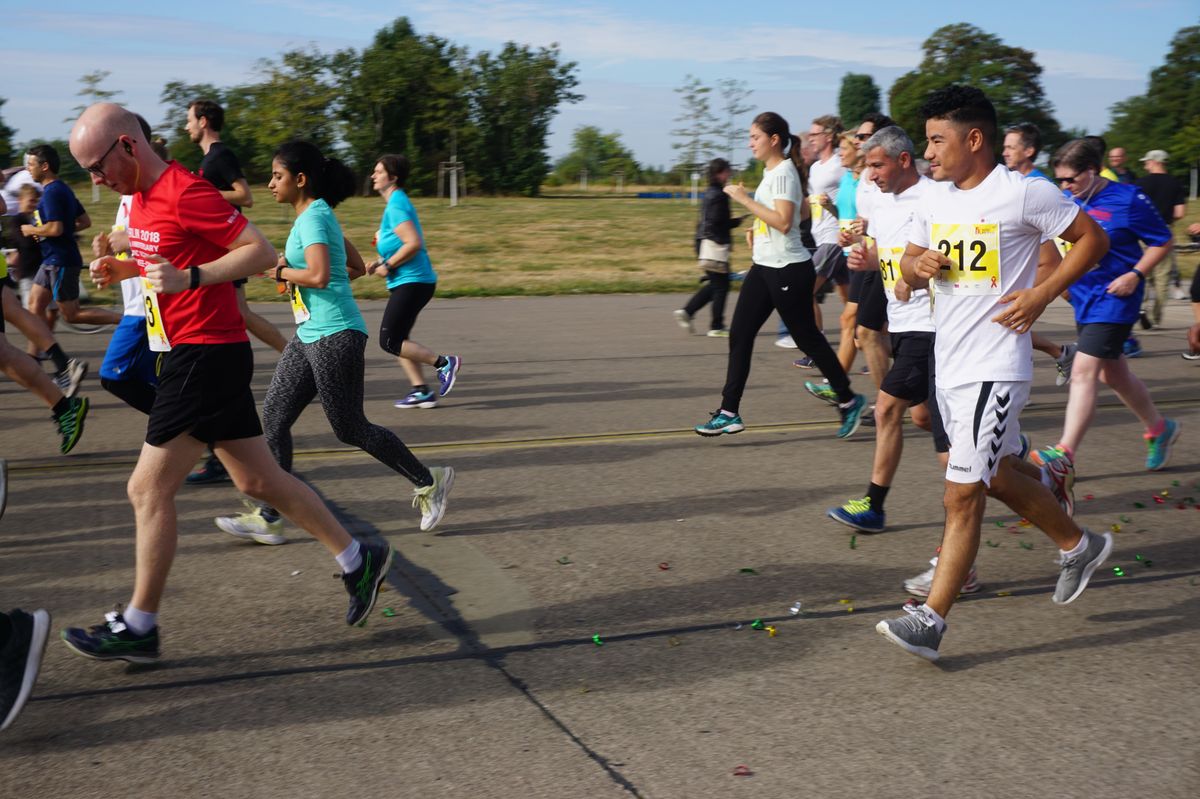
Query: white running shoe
(920, 585)
(431, 499)
(253, 526)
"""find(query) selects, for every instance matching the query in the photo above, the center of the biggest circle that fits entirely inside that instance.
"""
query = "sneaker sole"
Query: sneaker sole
(382, 575)
(827, 400)
(920, 651)
(426, 405)
(1089, 569)
(1170, 445)
(126, 658)
(267, 539)
(833, 514)
(33, 664)
(730, 429)
(449, 483)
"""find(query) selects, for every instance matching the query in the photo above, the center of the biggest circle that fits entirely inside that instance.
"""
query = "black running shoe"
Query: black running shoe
(363, 583)
(70, 423)
(213, 471)
(20, 660)
(113, 641)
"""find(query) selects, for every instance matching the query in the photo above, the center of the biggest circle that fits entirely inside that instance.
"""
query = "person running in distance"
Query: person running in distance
(326, 357)
(781, 278)
(993, 222)
(190, 244)
(1106, 302)
(713, 243)
(411, 281)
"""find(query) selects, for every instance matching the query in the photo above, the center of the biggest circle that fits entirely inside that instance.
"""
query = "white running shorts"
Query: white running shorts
(982, 424)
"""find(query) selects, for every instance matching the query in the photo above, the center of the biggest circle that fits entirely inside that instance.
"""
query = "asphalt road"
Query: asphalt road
(585, 506)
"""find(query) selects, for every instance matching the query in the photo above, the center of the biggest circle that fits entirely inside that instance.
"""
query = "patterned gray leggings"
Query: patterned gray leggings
(332, 368)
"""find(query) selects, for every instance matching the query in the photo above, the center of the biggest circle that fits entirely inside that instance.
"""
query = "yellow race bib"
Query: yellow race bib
(974, 253)
(154, 326)
(817, 209)
(1063, 246)
(889, 266)
(760, 229)
(299, 309)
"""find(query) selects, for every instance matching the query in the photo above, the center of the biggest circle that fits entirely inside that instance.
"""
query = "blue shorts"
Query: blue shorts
(129, 356)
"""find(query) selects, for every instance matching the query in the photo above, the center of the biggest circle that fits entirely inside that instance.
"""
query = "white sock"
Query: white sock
(139, 622)
(938, 621)
(727, 413)
(350, 558)
(1077, 549)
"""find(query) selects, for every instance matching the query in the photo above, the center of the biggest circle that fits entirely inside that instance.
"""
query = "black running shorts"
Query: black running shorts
(1102, 339)
(941, 441)
(908, 379)
(204, 391)
(872, 302)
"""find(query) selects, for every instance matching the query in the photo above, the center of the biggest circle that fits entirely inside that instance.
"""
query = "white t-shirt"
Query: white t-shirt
(824, 177)
(771, 247)
(891, 218)
(866, 194)
(131, 288)
(14, 184)
(1004, 212)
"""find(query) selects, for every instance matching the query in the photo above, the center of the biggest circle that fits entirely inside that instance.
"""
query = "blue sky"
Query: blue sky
(630, 54)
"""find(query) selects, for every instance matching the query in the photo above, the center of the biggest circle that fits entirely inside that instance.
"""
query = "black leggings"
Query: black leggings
(404, 303)
(331, 367)
(1196, 286)
(715, 290)
(788, 290)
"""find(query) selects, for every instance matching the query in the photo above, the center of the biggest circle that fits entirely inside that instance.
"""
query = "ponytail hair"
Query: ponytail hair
(772, 124)
(328, 178)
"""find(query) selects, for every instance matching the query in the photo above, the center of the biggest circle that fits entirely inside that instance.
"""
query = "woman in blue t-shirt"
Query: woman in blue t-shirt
(326, 357)
(1107, 301)
(404, 261)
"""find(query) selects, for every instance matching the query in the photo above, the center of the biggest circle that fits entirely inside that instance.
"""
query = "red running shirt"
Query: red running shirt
(184, 219)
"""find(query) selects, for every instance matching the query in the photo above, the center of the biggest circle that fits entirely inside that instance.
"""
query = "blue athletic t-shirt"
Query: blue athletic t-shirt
(417, 269)
(1037, 174)
(59, 204)
(846, 196)
(1127, 216)
(331, 309)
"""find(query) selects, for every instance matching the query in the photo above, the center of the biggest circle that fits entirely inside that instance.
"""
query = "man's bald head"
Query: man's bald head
(110, 143)
(1116, 156)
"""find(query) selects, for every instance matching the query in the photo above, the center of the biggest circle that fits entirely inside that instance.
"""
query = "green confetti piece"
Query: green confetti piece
(854, 542)
(1139, 505)
(1117, 570)
(1175, 483)
(596, 640)
(1137, 557)
(999, 524)
(389, 612)
(748, 571)
(1025, 545)
(564, 560)
(992, 543)
(1126, 519)
(757, 624)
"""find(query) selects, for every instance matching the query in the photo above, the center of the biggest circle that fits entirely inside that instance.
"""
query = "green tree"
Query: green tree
(512, 97)
(1167, 116)
(734, 105)
(695, 143)
(91, 92)
(858, 97)
(8, 152)
(601, 154)
(962, 53)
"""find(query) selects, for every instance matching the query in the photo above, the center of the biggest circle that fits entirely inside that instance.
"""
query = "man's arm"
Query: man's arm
(1178, 211)
(239, 195)
(249, 254)
(82, 222)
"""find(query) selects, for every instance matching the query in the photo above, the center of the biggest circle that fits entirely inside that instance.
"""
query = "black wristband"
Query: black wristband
(195, 277)
(1141, 276)
(279, 274)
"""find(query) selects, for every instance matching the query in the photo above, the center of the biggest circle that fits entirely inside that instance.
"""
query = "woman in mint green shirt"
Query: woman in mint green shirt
(326, 357)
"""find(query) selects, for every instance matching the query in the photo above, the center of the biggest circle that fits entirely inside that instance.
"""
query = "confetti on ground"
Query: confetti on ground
(770, 632)
(854, 542)
(1089, 496)
(748, 571)
(796, 609)
(844, 601)
(564, 560)
(389, 612)
(999, 524)
(1138, 505)
(743, 771)
(596, 640)
(849, 608)
(757, 624)
(664, 566)
(583, 689)
(1117, 570)
(673, 641)
(1025, 545)
(298, 571)
(1126, 519)
(1166, 493)
(1004, 593)
(1025, 523)
(1145, 561)
(1116, 528)
(737, 625)
(992, 543)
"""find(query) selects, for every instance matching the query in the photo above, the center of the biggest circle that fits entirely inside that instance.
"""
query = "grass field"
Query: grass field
(558, 244)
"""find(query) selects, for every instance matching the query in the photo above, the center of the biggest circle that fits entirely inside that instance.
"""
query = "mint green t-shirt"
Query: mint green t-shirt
(331, 309)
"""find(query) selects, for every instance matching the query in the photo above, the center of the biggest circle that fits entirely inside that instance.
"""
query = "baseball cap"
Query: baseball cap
(1155, 155)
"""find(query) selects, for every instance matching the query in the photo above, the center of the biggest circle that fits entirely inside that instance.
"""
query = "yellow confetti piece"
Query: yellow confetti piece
(1004, 593)
(1116, 528)
(850, 609)
(844, 601)
(770, 632)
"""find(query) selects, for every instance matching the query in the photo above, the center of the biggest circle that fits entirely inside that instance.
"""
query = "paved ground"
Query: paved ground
(578, 477)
